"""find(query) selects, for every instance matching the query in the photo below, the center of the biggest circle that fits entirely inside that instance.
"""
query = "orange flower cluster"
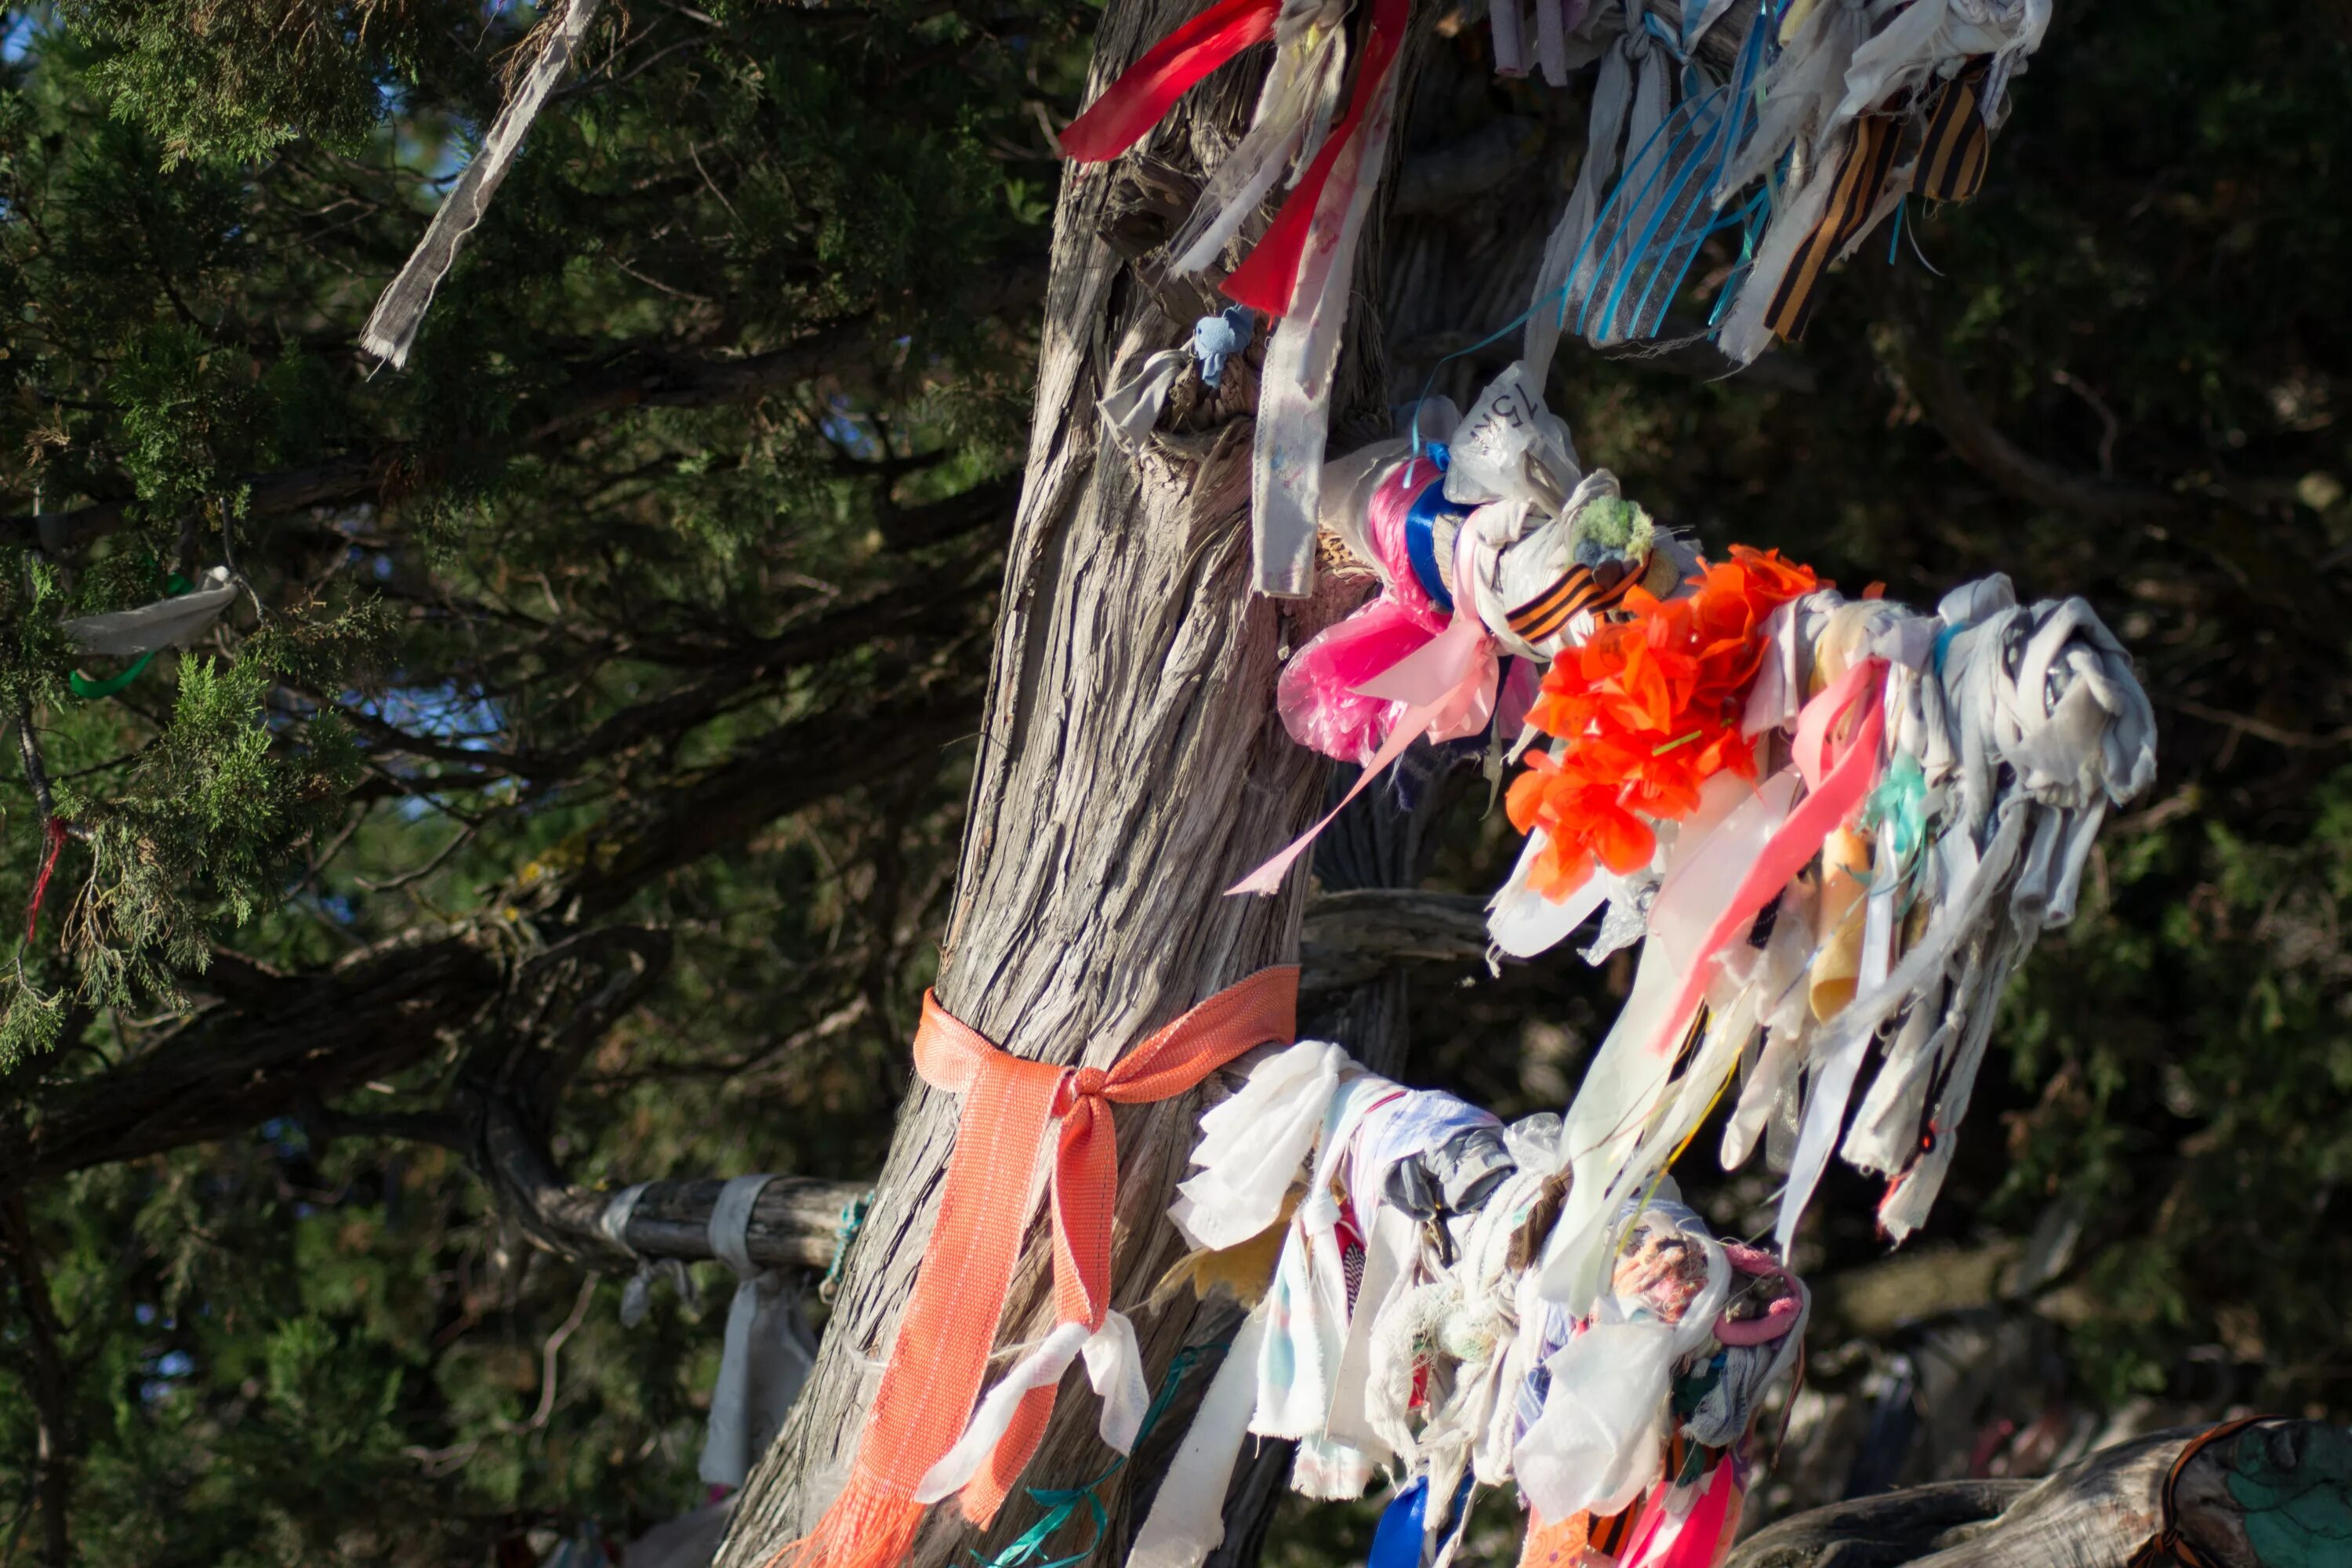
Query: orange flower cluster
(1650, 707)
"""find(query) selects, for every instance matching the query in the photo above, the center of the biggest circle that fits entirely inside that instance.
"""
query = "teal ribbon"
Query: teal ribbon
(1061, 1504)
(1898, 811)
(853, 1219)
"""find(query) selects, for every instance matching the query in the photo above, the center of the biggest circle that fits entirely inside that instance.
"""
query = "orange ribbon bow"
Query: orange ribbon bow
(1010, 1104)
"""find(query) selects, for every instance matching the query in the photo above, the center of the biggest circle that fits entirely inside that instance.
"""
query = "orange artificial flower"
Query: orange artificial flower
(1650, 708)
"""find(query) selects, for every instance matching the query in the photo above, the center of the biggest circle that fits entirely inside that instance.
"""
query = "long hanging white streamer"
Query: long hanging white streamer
(1187, 1519)
(768, 1352)
(392, 326)
(1612, 97)
(1295, 395)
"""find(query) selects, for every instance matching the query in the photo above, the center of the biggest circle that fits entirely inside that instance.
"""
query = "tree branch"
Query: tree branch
(47, 1381)
(637, 375)
(1955, 412)
(2098, 1512)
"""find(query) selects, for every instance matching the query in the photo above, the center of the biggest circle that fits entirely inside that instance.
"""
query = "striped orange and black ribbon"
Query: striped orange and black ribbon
(1861, 178)
(1611, 1536)
(1575, 590)
(1956, 143)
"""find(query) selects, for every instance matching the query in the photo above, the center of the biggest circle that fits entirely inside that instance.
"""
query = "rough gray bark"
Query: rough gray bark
(2097, 1513)
(1131, 769)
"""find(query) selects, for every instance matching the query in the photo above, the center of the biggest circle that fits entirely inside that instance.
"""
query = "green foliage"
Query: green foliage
(519, 660)
(229, 80)
(654, 594)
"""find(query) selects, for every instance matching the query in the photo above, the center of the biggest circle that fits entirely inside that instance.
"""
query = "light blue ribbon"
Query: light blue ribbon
(1217, 337)
(1898, 810)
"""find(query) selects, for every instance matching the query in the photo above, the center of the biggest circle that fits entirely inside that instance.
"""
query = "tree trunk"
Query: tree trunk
(1131, 769)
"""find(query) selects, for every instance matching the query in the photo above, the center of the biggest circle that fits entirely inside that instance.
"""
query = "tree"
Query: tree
(587, 766)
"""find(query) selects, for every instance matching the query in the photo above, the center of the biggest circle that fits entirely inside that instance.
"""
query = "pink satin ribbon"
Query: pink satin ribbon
(1838, 776)
(1448, 686)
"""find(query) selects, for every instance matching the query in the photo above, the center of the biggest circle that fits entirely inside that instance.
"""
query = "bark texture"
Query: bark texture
(1131, 769)
(2097, 1513)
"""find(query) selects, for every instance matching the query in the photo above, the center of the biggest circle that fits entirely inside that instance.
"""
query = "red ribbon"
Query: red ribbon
(56, 832)
(1132, 105)
(1268, 276)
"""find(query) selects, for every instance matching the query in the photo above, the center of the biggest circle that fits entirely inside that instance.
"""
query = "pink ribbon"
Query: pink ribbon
(1838, 778)
(1448, 687)
(1778, 1318)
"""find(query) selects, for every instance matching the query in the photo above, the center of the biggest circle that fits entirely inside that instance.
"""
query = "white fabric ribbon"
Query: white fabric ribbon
(1187, 1519)
(1252, 1146)
(1294, 414)
(768, 1352)
(1623, 1088)
(165, 623)
(1115, 1367)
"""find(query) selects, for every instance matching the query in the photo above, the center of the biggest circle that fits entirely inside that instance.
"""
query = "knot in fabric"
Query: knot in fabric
(1086, 1083)
(1012, 1105)
(1218, 338)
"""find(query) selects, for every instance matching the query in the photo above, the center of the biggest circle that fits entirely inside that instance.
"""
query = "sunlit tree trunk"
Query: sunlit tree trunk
(1131, 768)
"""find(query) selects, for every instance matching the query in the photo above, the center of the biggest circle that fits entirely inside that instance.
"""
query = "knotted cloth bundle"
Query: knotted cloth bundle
(1010, 1106)
(1841, 849)
(1399, 1321)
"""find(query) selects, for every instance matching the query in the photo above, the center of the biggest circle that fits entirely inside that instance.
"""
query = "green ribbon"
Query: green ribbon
(90, 691)
(1061, 1504)
(1898, 811)
(2298, 1516)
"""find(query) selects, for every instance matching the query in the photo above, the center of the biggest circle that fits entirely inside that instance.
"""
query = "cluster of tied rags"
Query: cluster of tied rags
(1836, 825)
(1399, 1318)
(1791, 128)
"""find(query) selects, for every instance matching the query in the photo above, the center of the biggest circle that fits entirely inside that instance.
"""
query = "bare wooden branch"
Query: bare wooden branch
(2099, 1512)
(1946, 399)
(1350, 937)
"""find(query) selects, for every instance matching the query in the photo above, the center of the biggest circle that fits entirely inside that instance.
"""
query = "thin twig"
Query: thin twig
(554, 1345)
(2261, 730)
(442, 855)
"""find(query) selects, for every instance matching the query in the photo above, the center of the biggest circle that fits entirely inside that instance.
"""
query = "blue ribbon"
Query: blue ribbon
(1944, 646)
(1421, 540)
(1397, 1540)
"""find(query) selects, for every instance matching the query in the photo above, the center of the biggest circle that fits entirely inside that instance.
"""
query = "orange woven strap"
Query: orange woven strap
(935, 1367)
